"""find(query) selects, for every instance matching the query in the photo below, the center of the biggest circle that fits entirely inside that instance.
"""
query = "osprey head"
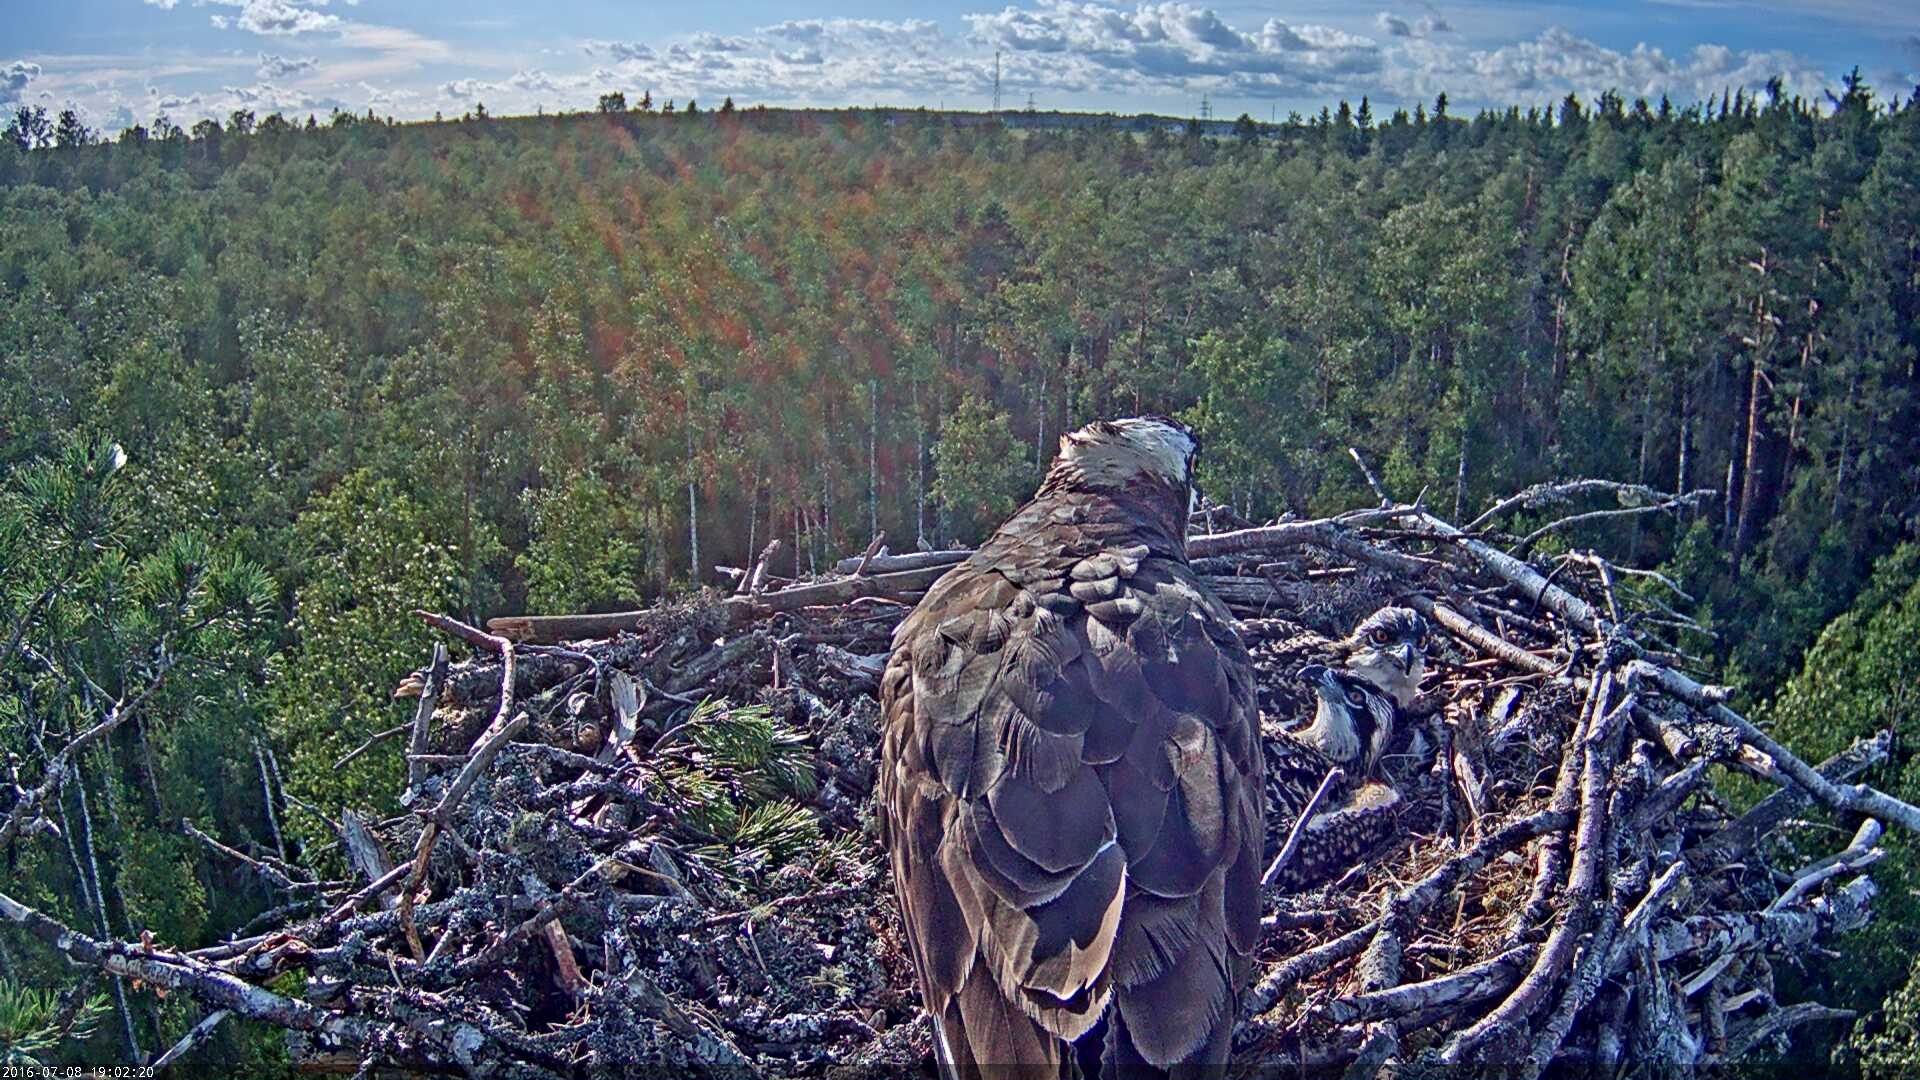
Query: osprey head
(1389, 650)
(1352, 721)
(1147, 457)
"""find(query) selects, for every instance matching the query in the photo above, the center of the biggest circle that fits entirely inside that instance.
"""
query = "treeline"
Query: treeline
(571, 362)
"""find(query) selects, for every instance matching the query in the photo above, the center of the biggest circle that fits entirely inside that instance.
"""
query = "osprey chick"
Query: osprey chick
(1070, 778)
(1352, 724)
(1388, 649)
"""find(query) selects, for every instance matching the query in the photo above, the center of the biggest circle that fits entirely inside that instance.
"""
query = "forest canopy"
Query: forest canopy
(271, 384)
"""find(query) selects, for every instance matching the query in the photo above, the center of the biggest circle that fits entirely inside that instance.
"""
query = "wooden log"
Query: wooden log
(365, 852)
(1479, 637)
(553, 629)
(423, 716)
(912, 560)
(1740, 835)
(892, 586)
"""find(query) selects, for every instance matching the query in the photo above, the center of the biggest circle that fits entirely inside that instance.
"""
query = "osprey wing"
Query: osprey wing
(1072, 802)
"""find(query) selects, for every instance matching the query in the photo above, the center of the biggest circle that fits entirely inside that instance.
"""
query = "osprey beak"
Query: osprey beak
(1406, 654)
(1320, 677)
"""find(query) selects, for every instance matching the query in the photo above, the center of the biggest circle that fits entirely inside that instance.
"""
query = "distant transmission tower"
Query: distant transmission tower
(996, 80)
(1029, 101)
(1206, 108)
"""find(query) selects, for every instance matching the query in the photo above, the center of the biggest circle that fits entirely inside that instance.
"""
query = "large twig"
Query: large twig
(26, 808)
(1854, 798)
(423, 714)
(199, 1034)
(1334, 776)
(205, 984)
(1666, 505)
(1591, 855)
(482, 754)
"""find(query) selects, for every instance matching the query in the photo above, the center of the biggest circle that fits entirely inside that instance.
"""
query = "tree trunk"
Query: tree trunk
(873, 459)
(1040, 427)
(919, 471)
(693, 507)
(1683, 468)
(266, 801)
(1460, 481)
(1646, 455)
(100, 906)
(1840, 466)
(1752, 480)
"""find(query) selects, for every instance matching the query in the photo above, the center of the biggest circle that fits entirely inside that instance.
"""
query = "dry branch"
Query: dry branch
(569, 905)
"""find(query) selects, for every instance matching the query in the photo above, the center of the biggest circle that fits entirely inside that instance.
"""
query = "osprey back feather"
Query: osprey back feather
(1071, 781)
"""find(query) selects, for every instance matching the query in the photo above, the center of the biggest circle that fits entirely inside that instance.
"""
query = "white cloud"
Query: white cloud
(1169, 45)
(164, 5)
(280, 17)
(718, 43)
(619, 51)
(1558, 62)
(1069, 53)
(1425, 26)
(533, 81)
(274, 66)
(14, 78)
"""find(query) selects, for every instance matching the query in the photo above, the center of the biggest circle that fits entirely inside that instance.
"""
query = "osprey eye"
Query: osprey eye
(1356, 697)
(1379, 637)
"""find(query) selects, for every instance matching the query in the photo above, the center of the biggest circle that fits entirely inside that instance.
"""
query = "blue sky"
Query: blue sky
(126, 61)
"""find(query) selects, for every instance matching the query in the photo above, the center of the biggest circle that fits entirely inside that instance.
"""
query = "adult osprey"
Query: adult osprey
(1071, 778)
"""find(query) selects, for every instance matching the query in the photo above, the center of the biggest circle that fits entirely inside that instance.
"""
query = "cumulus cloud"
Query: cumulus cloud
(1425, 26)
(1168, 44)
(1072, 53)
(718, 43)
(1558, 62)
(164, 5)
(276, 17)
(618, 51)
(14, 78)
(273, 18)
(533, 81)
(273, 66)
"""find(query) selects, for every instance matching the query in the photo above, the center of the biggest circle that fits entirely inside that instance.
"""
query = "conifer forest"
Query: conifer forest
(268, 386)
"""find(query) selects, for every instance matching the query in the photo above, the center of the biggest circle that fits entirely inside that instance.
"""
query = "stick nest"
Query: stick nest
(663, 850)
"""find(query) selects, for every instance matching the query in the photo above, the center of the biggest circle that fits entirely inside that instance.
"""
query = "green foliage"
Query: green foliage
(580, 553)
(34, 1022)
(357, 368)
(734, 776)
(1861, 676)
(170, 634)
(371, 553)
(981, 471)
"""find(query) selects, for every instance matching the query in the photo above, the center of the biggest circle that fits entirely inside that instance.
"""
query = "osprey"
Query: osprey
(1071, 780)
(1388, 649)
(1352, 724)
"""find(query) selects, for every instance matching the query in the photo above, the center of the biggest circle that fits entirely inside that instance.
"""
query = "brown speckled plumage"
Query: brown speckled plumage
(1070, 785)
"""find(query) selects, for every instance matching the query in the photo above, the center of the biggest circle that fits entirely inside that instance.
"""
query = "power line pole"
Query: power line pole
(996, 80)
(1206, 107)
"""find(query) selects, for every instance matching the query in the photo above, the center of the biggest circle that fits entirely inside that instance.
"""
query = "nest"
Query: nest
(656, 844)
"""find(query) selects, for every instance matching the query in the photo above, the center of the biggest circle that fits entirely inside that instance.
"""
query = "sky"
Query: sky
(120, 62)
